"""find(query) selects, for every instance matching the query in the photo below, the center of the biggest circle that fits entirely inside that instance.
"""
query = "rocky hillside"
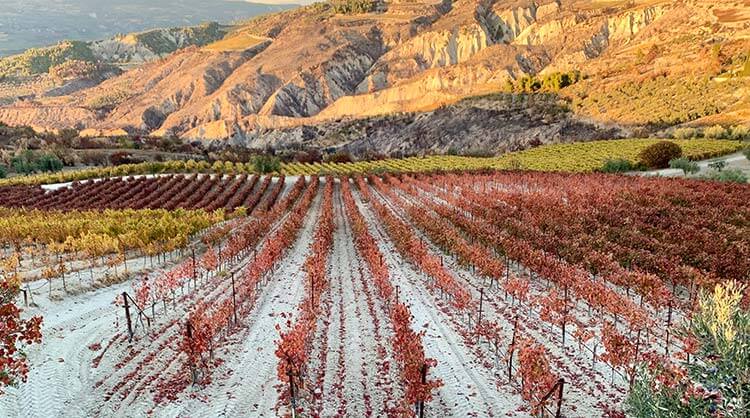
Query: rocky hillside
(315, 76)
(41, 72)
(121, 50)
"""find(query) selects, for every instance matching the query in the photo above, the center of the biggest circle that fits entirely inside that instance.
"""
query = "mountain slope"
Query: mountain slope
(645, 63)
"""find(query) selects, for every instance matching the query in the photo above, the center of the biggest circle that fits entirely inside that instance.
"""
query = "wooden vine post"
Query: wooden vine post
(669, 324)
(292, 392)
(481, 300)
(507, 268)
(220, 261)
(565, 315)
(234, 300)
(127, 316)
(512, 349)
(424, 381)
(195, 268)
(560, 398)
(556, 388)
(193, 372)
(312, 292)
(635, 357)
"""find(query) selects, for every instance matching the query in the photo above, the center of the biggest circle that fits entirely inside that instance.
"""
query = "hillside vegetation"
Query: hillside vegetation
(577, 157)
(40, 60)
(121, 49)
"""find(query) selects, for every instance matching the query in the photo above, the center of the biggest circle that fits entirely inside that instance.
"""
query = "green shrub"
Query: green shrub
(718, 165)
(557, 80)
(552, 82)
(714, 383)
(687, 166)
(348, 7)
(660, 154)
(3, 171)
(109, 99)
(73, 69)
(39, 60)
(733, 175)
(617, 165)
(266, 164)
(164, 43)
(49, 163)
(644, 102)
(740, 133)
(746, 151)
(684, 133)
(24, 163)
(716, 132)
(154, 167)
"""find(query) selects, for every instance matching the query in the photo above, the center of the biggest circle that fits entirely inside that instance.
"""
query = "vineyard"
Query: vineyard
(168, 192)
(432, 295)
(573, 157)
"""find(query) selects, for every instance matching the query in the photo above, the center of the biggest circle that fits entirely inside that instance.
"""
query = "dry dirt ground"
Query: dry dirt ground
(87, 367)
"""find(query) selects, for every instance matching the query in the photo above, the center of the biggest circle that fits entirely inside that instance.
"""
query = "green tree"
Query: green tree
(687, 166)
(717, 380)
(24, 163)
(352, 6)
(684, 133)
(740, 133)
(49, 163)
(716, 132)
(617, 165)
(266, 164)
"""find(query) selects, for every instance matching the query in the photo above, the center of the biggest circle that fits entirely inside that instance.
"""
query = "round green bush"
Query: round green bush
(659, 154)
(617, 165)
(687, 166)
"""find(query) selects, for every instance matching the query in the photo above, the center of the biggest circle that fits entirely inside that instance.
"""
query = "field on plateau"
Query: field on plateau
(496, 294)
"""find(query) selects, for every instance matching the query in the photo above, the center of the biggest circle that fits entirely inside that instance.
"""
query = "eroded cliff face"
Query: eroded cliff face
(309, 66)
(496, 124)
(315, 88)
(42, 117)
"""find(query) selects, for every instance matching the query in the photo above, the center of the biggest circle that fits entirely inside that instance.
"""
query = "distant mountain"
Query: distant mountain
(36, 23)
(118, 51)
(331, 75)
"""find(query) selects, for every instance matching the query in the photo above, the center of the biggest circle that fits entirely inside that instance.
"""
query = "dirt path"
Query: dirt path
(60, 379)
(245, 384)
(353, 385)
(734, 161)
(592, 382)
(85, 365)
(469, 390)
